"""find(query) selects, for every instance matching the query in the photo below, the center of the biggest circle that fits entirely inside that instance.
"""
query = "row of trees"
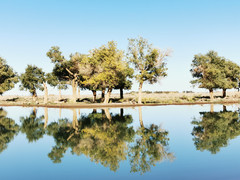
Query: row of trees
(107, 68)
(214, 72)
(103, 69)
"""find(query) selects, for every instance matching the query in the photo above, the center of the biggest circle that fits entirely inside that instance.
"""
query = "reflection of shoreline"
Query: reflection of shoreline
(115, 105)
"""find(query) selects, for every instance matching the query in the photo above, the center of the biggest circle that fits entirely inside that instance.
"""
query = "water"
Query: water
(162, 142)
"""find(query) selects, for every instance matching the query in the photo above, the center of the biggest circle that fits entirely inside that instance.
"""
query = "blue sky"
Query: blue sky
(29, 28)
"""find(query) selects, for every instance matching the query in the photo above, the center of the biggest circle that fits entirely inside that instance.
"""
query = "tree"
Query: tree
(125, 82)
(32, 79)
(206, 69)
(109, 60)
(90, 68)
(148, 61)
(54, 81)
(231, 72)
(8, 78)
(67, 70)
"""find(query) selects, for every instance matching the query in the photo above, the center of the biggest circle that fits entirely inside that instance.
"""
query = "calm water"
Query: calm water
(165, 142)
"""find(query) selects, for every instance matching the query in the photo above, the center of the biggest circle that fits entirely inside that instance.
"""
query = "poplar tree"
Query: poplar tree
(232, 75)
(109, 61)
(125, 82)
(32, 80)
(8, 78)
(68, 70)
(214, 72)
(207, 72)
(148, 62)
(54, 81)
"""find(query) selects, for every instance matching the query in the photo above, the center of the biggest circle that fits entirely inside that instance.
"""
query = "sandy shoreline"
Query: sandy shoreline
(130, 100)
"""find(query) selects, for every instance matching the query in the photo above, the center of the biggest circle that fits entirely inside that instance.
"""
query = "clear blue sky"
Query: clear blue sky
(29, 28)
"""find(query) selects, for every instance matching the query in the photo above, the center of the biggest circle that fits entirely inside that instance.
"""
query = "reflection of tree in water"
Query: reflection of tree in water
(103, 140)
(32, 126)
(66, 134)
(8, 129)
(214, 129)
(108, 139)
(149, 148)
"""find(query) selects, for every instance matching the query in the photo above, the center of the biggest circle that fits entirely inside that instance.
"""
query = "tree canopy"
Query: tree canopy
(32, 79)
(67, 70)
(214, 72)
(8, 78)
(148, 62)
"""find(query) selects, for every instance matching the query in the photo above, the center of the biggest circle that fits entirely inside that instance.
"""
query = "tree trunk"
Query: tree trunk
(140, 116)
(60, 94)
(35, 111)
(224, 108)
(140, 93)
(45, 117)
(103, 114)
(121, 93)
(224, 93)
(74, 90)
(108, 96)
(211, 94)
(121, 112)
(60, 112)
(94, 95)
(212, 108)
(34, 96)
(103, 95)
(75, 121)
(45, 93)
(108, 115)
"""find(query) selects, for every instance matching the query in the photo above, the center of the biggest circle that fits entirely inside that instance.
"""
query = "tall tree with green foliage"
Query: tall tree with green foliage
(32, 79)
(54, 81)
(125, 82)
(109, 60)
(8, 78)
(90, 67)
(148, 62)
(207, 72)
(68, 70)
(231, 73)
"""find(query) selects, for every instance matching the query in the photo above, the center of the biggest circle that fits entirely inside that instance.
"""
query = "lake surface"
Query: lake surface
(161, 142)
